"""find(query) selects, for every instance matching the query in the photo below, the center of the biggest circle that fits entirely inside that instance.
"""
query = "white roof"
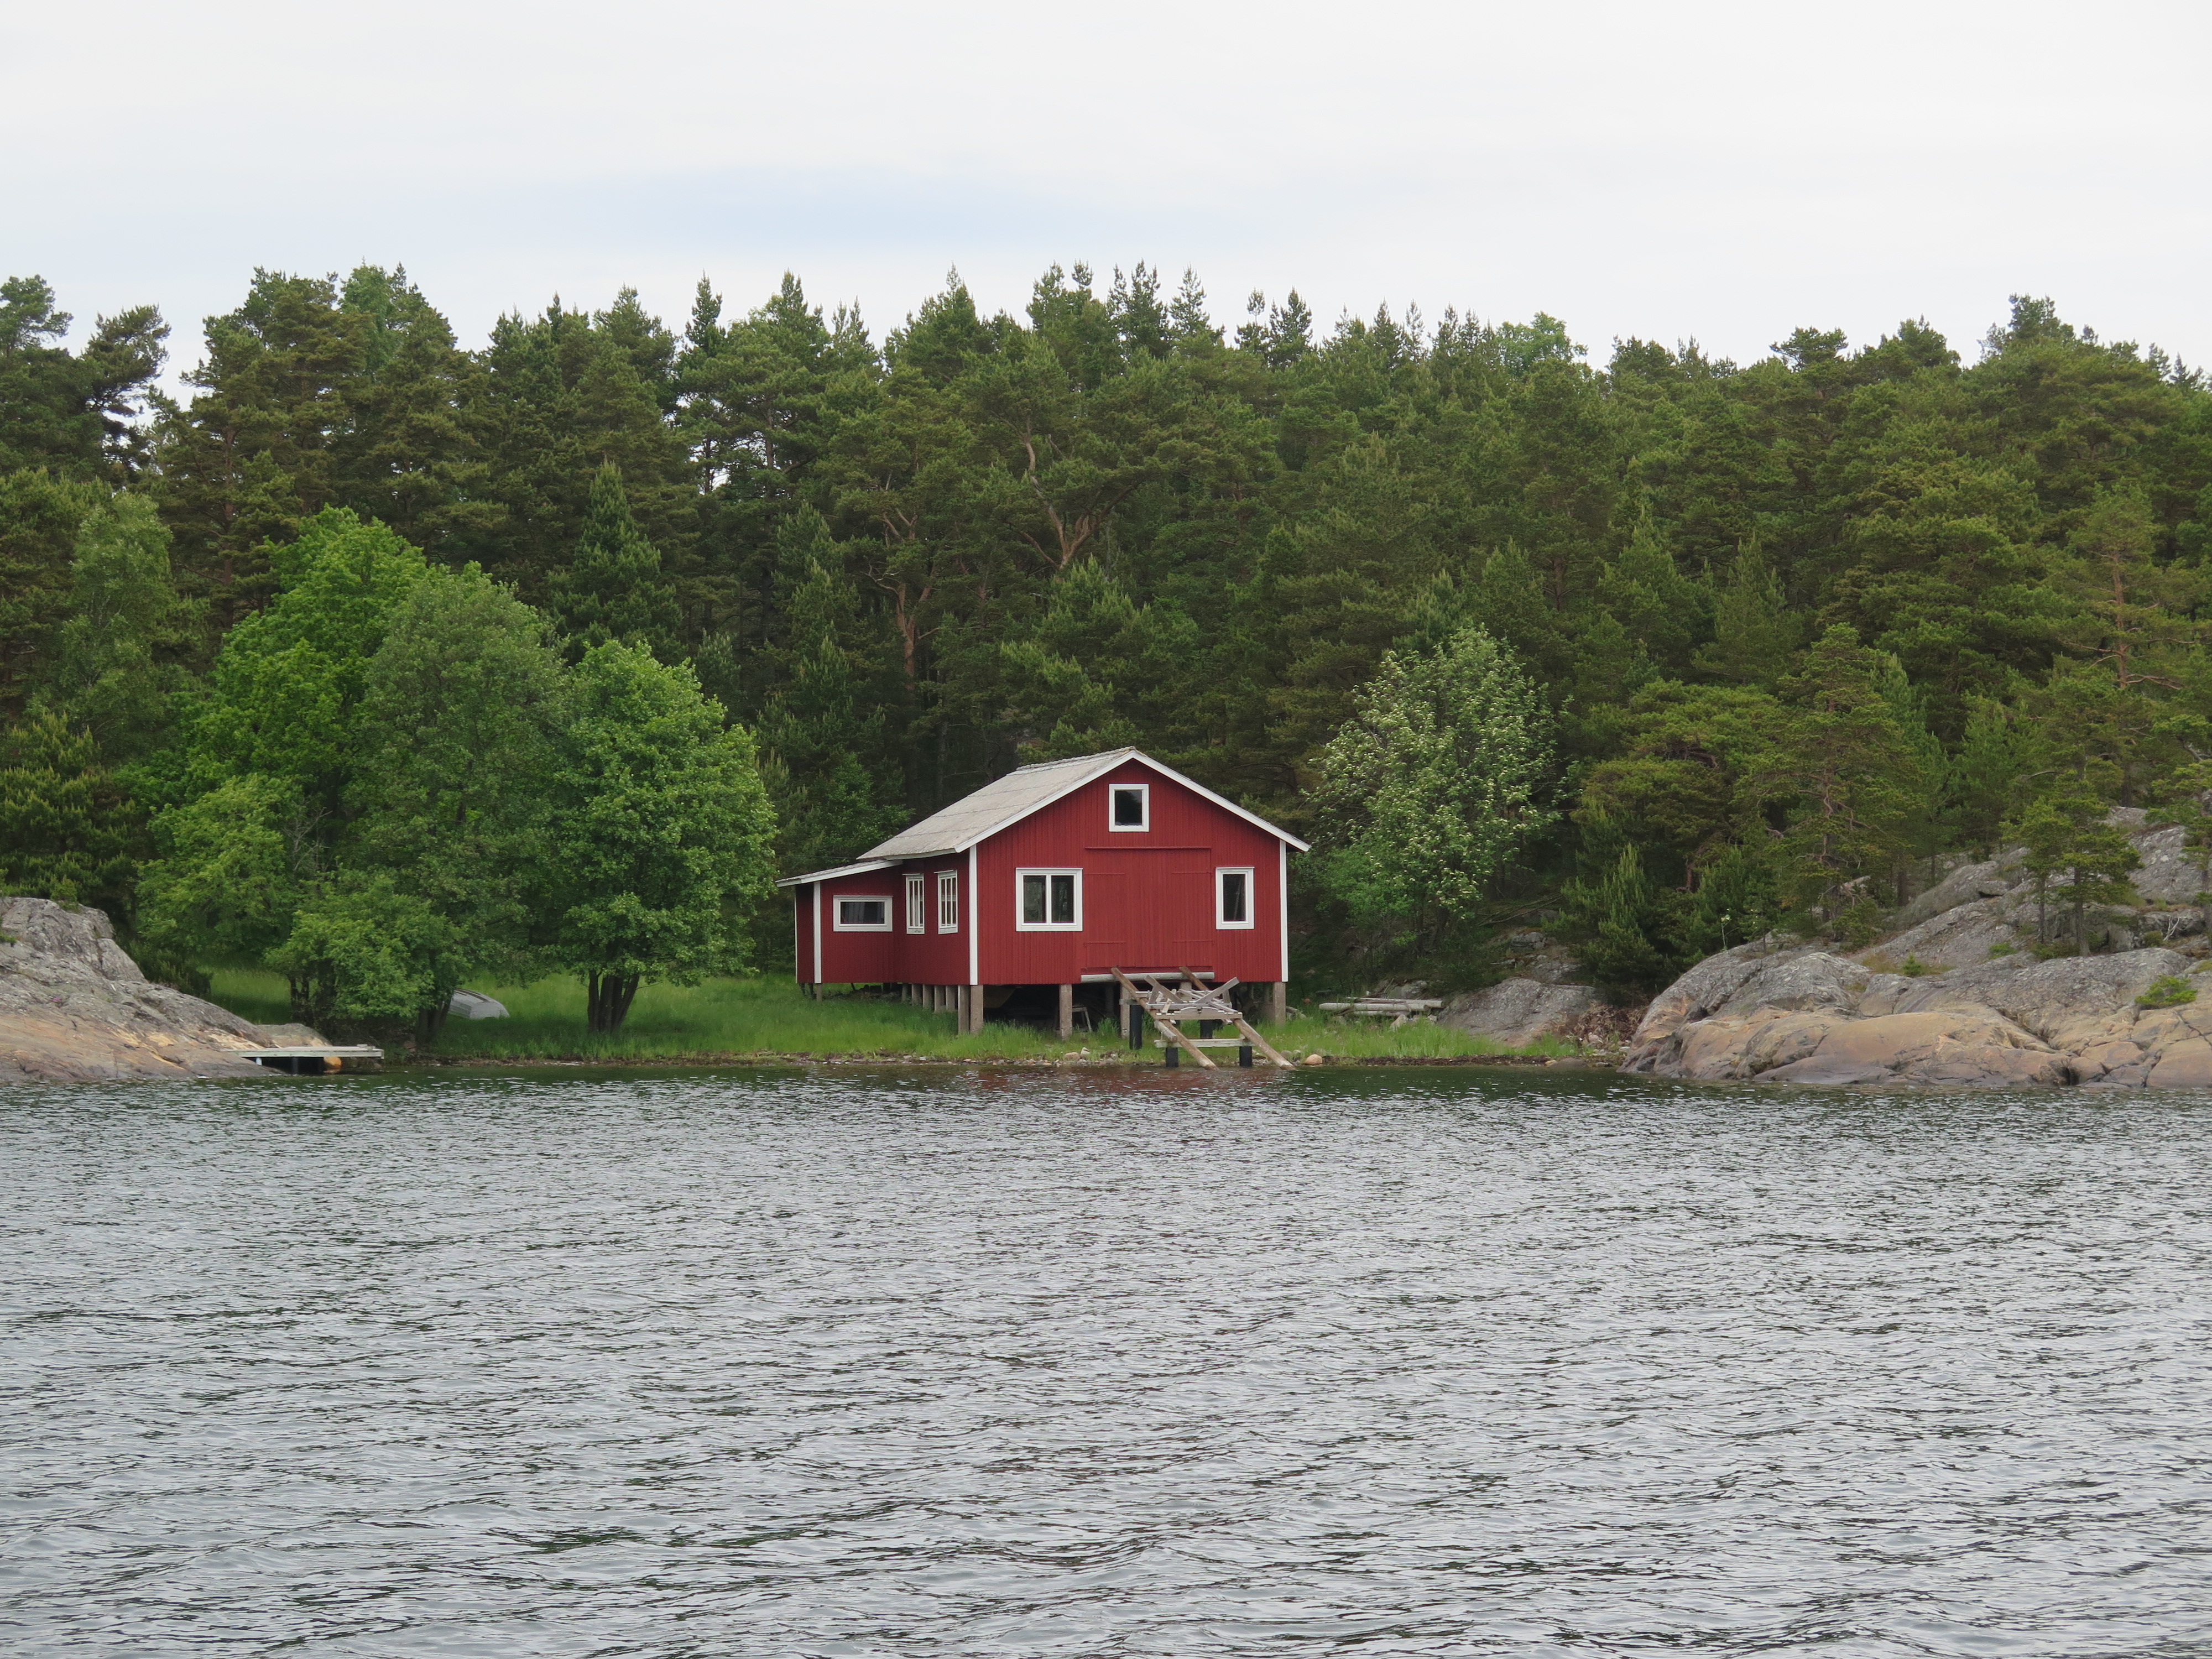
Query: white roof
(860, 869)
(1010, 800)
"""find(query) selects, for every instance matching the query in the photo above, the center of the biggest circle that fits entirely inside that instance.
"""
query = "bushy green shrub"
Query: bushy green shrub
(2166, 991)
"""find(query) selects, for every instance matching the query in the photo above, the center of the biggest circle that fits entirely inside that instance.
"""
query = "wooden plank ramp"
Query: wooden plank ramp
(1169, 1004)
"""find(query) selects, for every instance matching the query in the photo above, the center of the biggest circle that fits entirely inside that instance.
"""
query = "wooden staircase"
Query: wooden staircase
(1168, 1003)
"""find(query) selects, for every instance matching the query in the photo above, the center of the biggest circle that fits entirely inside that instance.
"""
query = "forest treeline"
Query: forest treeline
(1746, 643)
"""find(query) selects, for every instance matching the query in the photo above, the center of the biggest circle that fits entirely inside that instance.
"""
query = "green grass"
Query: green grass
(252, 994)
(727, 1016)
(771, 1016)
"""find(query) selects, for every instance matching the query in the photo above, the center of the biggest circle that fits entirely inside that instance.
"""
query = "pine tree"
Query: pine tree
(613, 588)
(1990, 770)
(411, 451)
(1616, 919)
(1736, 902)
(73, 412)
(116, 671)
(68, 830)
(1667, 614)
(252, 457)
(1192, 331)
(565, 394)
(1755, 633)
(825, 726)
(2066, 834)
(1851, 770)
(39, 515)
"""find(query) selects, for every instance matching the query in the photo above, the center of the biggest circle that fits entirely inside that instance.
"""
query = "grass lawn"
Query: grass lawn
(772, 1017)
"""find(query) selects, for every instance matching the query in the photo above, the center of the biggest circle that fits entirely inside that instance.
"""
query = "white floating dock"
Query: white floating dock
(315, 1060)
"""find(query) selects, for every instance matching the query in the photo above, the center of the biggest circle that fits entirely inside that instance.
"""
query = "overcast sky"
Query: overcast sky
(1706, 169)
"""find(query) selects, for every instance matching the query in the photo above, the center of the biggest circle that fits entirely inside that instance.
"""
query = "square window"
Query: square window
(1232, 897)
(863, 914)
(1047, 901)
(948, 901)
(917, 890)
(1129, 807)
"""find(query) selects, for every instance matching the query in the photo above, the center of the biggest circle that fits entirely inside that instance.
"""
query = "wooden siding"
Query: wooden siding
(1148, 893)
(1148, 899)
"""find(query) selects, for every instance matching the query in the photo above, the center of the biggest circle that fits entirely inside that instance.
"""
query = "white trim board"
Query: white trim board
(863, 868)
(1079, 777)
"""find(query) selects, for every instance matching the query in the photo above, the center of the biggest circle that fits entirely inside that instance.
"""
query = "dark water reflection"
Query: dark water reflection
(769, 1364)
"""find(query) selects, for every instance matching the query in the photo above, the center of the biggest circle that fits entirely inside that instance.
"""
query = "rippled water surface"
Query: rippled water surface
(770, 1363)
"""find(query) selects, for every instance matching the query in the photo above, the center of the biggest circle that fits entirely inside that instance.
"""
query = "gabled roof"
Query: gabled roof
(1010, 800)
(860, 869)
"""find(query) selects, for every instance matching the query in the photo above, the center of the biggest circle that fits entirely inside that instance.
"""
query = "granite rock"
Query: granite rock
(74, 1007)
(1516, 1011)
(1804, 1016)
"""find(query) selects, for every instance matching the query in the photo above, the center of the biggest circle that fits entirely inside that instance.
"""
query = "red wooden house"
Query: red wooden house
(1047, 881)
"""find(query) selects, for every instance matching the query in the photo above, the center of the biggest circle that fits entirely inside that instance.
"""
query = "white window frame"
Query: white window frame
(948, 901)
(1144, 793)
(839, 924)
(1047, 871)
(1221, 894)
(917, 902)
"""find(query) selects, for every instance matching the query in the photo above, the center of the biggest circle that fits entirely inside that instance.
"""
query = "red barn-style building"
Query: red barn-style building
(1047, 881)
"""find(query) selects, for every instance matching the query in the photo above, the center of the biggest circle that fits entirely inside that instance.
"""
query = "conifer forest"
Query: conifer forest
(385, 662)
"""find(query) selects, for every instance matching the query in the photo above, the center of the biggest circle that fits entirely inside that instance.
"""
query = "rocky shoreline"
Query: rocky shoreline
(1955, 995)
(73, 1008)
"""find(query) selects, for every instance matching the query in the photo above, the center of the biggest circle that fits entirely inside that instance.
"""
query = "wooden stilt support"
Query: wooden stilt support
(1278, 1002)
(1066, 1010)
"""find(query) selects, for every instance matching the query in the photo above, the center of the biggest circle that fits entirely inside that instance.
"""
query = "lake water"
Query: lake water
(824, 1363)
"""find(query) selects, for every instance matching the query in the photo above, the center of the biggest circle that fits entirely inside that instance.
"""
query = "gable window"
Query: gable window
(1047, 901)
(1232, 897)
(917, 890)
(1129, 807)
(948, 901)
(864, 913)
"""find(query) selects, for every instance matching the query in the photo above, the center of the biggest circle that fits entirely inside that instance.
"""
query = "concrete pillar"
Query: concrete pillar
(1279, 1001)
(1067, 1011)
